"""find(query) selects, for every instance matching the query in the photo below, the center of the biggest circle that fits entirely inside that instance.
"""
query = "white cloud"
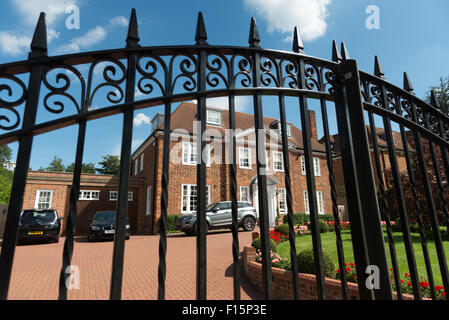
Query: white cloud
(242, 103)
(140, 119)
(13, 44)
(118, 21)
(90, 38)
(29, 10)
(283, 15)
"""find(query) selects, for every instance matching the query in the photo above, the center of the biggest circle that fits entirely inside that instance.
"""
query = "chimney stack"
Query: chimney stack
(312, 123)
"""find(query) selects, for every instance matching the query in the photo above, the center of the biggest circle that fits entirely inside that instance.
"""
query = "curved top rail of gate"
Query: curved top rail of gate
(174, 72)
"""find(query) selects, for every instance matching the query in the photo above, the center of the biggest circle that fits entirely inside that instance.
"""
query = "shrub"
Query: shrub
(299, 219)
(276, 260)
(256, 244)
(306, 263)
(282, 229)
(171, 222)
(323, 226)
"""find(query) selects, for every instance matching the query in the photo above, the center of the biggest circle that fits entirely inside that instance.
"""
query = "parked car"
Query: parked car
(102, 227)
(219, 215)
(39, 224)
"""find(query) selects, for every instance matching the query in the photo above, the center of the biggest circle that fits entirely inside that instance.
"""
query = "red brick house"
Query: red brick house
(99, 192)
(147, 164)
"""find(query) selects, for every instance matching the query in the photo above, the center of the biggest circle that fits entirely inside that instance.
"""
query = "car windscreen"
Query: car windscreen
(106, 215)
(209, 207)
(42, 216)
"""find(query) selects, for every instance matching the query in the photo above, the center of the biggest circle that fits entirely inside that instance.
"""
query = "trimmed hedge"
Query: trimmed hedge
(300, 219)
(282, 229)
(306, 263)
(256, 244)
(171, 222)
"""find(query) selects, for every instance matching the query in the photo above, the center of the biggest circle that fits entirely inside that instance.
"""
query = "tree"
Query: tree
(6, 177)
(442, 92)
(56, 165)
(109, 165)
(5, 155)
(85, 168)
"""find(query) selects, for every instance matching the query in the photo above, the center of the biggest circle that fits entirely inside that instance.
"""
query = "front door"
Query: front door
(271, 196)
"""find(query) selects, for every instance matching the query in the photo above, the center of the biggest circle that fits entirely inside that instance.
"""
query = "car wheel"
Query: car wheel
(249, 223)
(195, 228)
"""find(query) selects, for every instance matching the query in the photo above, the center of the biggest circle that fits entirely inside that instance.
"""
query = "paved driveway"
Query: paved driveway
(37, 266)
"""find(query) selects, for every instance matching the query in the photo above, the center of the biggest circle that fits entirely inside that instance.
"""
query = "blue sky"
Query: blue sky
(412, 37)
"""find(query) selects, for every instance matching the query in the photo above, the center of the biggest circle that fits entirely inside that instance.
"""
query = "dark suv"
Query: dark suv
(39, 224)
(102, 227)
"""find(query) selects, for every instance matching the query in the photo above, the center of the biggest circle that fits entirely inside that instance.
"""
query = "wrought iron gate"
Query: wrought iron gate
(203, 71)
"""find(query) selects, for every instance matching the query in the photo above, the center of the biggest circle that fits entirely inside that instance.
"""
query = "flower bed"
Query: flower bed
(282, 283)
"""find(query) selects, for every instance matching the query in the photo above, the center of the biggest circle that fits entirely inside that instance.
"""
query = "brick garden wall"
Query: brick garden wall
(282, 281)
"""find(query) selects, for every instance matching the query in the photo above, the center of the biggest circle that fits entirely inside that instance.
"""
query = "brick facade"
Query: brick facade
(60, 185)
(218, 173)
(146, 172)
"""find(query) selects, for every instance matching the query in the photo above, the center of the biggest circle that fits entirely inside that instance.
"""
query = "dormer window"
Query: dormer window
(288, 128)
(214, 117)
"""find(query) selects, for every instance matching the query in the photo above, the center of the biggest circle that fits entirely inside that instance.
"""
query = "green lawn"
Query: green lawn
(330, 247)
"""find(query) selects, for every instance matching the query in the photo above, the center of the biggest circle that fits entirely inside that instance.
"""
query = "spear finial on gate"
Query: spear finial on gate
(201, 34)
(344, 52)
(433, 99)
(254, 39)
(298, 45)
(132, 40)
(39, 42)
(407, 84)
(336, 55)
(378, 70)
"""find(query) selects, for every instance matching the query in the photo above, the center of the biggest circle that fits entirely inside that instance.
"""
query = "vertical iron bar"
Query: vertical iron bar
(122, 203)
(330, 169)
(384, 207)
(73, 210)
(364, 179)
(417, 207)
(164, 203)
(288, 187)
(234, 207)
(399, 191)
(38, 49)
(262, 181)
(431, 204)
(201, 182)
(310, 177)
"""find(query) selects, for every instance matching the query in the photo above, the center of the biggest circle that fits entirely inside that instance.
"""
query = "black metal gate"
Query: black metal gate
(203, 71)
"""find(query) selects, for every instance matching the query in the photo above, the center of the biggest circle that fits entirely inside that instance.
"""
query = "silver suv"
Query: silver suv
(219, 215)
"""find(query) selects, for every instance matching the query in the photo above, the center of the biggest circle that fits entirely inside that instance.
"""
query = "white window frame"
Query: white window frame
(241, 150)
(320, 202)
(274, 161)
(288, 129)
(189, 149)
(148, 200)
(244, 190)
(316, 167)
(136, 165)
(189, 188)
(36, 202)
(112, 198)
(213, 122)
(303, 166)
(141, 162)
(91, 192)
(284, 191)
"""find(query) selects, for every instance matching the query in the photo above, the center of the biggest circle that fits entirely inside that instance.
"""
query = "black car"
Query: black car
(39, 224)
(102, 227)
